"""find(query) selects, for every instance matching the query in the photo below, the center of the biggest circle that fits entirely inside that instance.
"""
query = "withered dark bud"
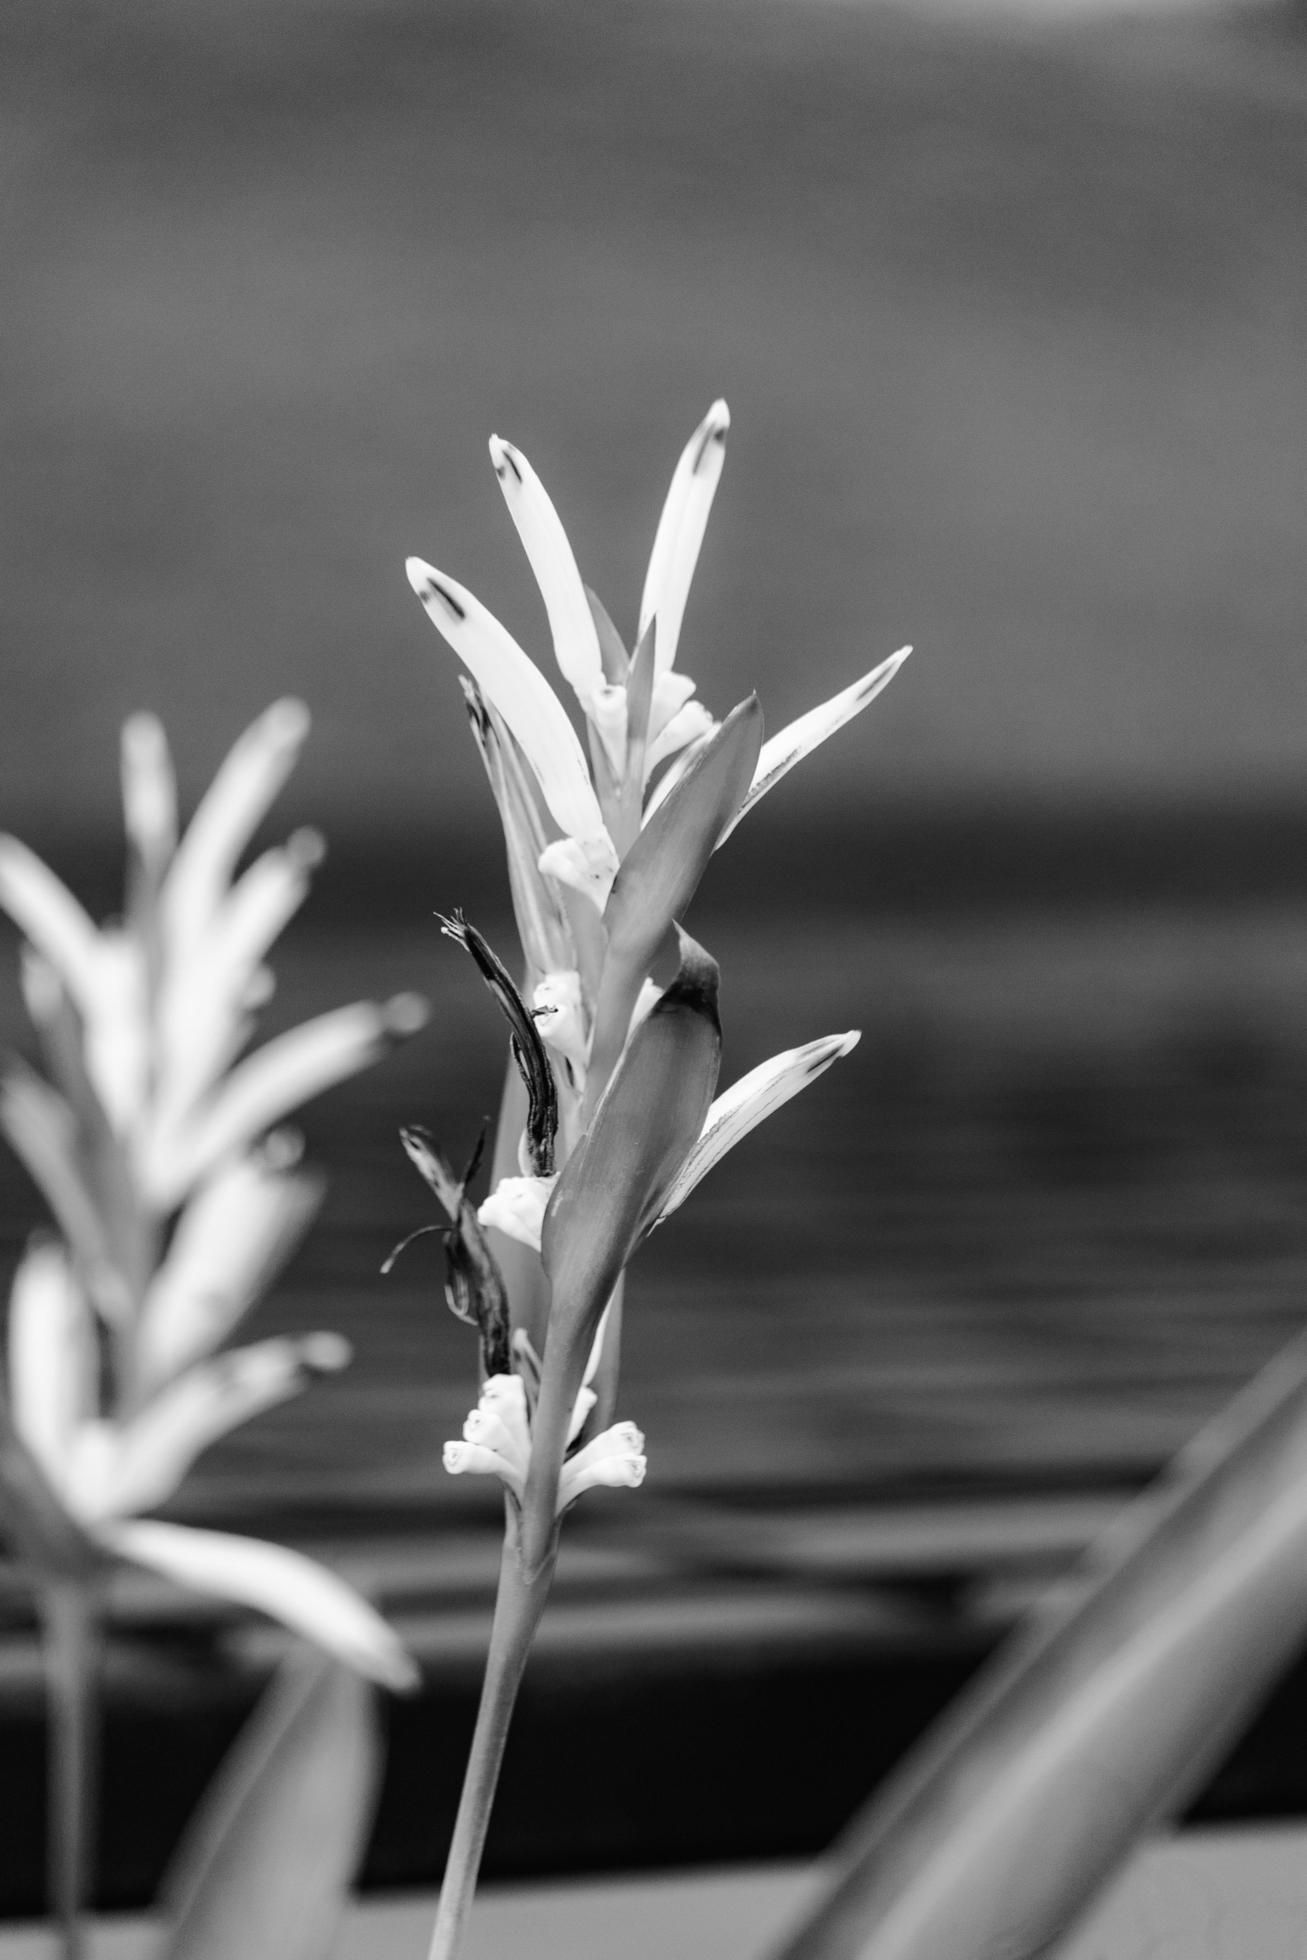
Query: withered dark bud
(529, 1050)
(474, 1285)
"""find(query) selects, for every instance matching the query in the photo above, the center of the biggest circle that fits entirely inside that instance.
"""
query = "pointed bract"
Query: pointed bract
(801, 737)
(519, 691)
(680, 531)
(576, 642)
(659, 876)
(748, 1102)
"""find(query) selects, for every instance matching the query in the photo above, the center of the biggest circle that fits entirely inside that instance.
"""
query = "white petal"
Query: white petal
(158, 1447)
(746, 1103)
(788, 747)
(614, 1458)
(464, 1459)
(41, 905)
(576, 642)
(692, 723)
(274, 1080)
(302, 1594)
(53, 1362)
(680, 532)
(671, 691)
(229, 813)
(149, 791)
(560, 1016)
(516, 1207)
(587, 866)
(233, 1235)
(515, 686)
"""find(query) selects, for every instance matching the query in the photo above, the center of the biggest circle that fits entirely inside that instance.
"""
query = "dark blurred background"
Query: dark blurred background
(1011, 311)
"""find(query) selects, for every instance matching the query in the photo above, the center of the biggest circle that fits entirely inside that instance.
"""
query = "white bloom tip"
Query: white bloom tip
(405, 1014)
(143, 737)
(503, 457)
(280, 1150)
(847, 1042)
(427, 582)
(326, 1354)
(287, 722)
(306, 848)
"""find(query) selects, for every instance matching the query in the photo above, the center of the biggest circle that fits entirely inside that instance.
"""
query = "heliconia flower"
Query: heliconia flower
(102, 1469)
(640, 724)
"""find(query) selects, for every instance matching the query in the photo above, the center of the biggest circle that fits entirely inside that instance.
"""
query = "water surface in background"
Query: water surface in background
(1045, 1218)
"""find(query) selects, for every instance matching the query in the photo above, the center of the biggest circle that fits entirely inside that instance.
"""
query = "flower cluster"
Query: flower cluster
(175, 1196)
(610, 1118)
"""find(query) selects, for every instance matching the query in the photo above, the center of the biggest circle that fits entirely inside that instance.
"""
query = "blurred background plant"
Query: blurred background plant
(177, 1199)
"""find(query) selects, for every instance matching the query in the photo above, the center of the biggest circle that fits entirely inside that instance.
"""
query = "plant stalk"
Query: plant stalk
(70, 1616)
(519, 1605)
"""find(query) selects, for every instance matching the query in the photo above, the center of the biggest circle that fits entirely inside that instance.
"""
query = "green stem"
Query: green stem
(518, 1607)
(71, 1623)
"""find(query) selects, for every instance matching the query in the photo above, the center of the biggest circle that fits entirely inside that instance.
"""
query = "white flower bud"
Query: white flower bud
(560, 1016)
(516, 1207)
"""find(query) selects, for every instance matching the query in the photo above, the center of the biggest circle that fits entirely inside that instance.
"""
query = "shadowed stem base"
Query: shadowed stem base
(518, 1608)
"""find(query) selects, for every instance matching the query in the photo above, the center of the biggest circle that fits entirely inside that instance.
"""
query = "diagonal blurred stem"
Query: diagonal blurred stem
(71, 1622)
(518, 1607)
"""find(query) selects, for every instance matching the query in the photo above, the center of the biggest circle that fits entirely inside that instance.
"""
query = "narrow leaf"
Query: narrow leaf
(612, 648)
(267, 1861)
(801, 737)
(660, 873)
(1101, 1719)
(748, 1102)
(608, 1195)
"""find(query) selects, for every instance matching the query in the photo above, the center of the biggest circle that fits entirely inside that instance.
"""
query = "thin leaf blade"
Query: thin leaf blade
(266, 1863)
(659, 876)
(1101, 1719)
